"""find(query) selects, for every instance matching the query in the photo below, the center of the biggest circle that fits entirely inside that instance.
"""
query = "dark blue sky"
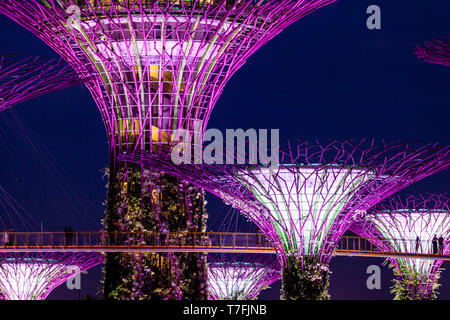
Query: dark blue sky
(325, 76)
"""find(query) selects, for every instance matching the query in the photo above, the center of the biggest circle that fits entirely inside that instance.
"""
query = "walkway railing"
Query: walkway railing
(358, 246)
(178, 242)
(125, 242)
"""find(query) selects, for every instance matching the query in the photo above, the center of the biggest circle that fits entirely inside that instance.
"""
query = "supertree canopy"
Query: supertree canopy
(437, 51)
(241, 277)
(22, 79)
(305, 204)
(32, 276)
(157, 67)
(411, 225)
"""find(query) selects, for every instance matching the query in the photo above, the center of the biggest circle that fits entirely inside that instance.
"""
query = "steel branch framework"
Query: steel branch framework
(158, 66)
(27, 78)
(411, 225)
(32, 276)
(240, 277)
(306, 204)
(437, 51)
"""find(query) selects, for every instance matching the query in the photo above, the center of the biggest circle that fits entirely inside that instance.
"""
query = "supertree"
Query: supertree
(306, 203)
(437, 51)
(409, 226)
(22, 79)
(157, 67)
(241, 277)
(32, 276)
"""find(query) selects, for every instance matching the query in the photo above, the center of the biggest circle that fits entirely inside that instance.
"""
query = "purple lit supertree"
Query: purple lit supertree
(410, 225)
(32, 276)
(307, 203)
(241, 277)
(27, 78)
(437, 51)
(157, 67)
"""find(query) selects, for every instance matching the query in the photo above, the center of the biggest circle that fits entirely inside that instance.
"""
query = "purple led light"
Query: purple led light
(437, 51)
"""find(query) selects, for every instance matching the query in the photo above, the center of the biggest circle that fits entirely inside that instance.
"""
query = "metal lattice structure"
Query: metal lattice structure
(306, 204)
(317, 190)
(22, 79)
(33, 276)
(437, 51)
(241, 277)
(157, 66)
(410, 225)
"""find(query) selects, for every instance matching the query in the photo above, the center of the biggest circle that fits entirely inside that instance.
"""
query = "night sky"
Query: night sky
(326, 76)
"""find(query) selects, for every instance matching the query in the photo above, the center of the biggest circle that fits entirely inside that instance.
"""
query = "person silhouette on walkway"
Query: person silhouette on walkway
(164, 235)
(102, 236)
(441, 244)
(66, 236)
(6, 238)
(11, 237)
(435, 245)
(70, 235)
(418, 244)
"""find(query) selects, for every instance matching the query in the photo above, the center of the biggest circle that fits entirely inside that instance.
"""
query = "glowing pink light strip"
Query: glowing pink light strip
(25, 79)
(437, 51)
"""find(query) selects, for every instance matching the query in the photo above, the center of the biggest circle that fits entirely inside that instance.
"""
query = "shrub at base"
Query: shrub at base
(409, 285)
(304, 279)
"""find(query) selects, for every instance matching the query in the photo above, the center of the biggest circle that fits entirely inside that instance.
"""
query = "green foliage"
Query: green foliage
(143, 202)
(410, 285)
(305, 279)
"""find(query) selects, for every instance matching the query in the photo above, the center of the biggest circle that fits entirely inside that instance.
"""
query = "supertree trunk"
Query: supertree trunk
(145, 202)
(304, 279)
